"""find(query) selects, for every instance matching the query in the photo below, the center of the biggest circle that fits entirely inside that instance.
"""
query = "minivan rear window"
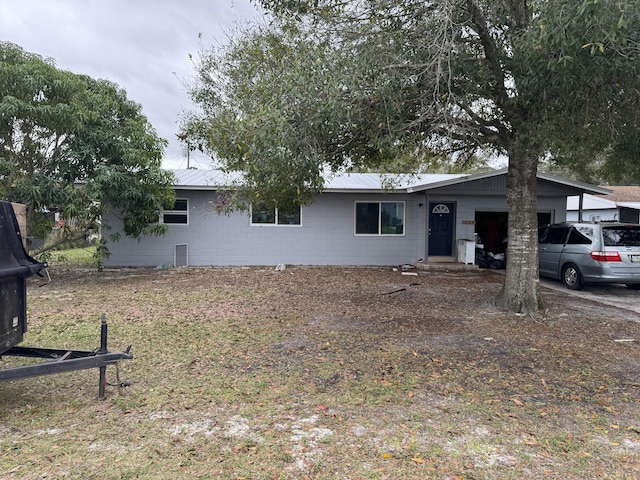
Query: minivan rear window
(621, 236)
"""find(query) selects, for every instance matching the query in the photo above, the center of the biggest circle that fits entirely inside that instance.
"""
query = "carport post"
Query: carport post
(580, 199)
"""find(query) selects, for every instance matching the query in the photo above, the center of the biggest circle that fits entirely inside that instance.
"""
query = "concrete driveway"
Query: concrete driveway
(614, 295)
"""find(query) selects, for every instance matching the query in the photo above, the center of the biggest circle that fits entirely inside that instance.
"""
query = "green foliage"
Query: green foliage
(284, 106)
(101, 253)
(584, 69)
(76, 145)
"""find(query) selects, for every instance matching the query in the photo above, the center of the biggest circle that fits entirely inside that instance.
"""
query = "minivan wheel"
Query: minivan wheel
(571, 277)
(633, 286)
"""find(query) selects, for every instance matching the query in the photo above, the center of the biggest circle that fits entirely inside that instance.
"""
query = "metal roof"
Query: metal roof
(191, 179)
(375, 182)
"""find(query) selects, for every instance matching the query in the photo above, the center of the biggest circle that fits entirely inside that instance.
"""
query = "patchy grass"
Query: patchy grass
(74, 257)
(323, 373)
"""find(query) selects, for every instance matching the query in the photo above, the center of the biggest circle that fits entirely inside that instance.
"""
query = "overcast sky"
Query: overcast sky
(142, 45)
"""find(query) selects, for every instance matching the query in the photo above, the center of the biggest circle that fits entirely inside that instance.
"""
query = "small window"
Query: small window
(580, 236)
(179, 214)
(440, 208)
(260, 215)
(379, 218)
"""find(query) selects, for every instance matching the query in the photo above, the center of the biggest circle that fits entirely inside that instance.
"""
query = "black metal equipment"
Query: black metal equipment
(15, 267)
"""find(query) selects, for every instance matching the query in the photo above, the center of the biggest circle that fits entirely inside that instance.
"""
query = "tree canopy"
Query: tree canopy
(334, 84)
(77, 145)
(283, 102)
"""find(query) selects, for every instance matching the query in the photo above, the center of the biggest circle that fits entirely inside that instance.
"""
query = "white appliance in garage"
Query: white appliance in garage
(466, 251)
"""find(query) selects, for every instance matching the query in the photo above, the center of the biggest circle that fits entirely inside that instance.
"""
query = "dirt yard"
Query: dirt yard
(324, 373)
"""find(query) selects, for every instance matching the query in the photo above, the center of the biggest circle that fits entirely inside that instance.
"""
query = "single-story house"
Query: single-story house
(622, 204)
(359, 219)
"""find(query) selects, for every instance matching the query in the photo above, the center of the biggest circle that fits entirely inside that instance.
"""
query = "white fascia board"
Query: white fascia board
(634, 205)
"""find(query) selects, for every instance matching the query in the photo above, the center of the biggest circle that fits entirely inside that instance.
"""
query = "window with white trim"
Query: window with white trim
(179, 214)
(379, 218)
(261, 215)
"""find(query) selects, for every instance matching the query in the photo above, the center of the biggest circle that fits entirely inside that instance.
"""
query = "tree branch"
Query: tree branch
(498, 135)
(490, 50)
(80, 235)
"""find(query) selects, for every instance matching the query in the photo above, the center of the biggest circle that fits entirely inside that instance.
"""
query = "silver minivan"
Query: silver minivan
(579, 253)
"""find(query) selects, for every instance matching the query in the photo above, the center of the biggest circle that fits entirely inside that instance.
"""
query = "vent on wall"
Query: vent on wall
(181, 255)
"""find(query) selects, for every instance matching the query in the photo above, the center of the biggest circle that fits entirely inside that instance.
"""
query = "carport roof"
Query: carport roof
(578, 186)
(634, 205)
(590, 202)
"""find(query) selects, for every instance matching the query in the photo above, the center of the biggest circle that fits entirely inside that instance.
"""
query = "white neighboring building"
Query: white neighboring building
(622, 205)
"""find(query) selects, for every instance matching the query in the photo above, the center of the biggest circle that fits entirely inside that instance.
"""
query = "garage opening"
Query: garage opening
(492, 229)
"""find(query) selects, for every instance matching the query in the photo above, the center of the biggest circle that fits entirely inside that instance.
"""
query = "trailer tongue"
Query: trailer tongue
(15, 267)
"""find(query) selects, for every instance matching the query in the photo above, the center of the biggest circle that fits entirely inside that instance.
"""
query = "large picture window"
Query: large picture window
(380, 218)
(260, 215)
(179, 214)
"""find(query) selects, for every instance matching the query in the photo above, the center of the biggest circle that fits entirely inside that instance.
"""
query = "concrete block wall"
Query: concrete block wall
(326, 236)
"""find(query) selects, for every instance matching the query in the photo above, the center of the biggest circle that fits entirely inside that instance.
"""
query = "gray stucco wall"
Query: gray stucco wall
(326, 236)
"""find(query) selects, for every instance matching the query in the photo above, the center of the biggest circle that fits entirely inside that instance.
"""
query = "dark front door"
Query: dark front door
(441, 221)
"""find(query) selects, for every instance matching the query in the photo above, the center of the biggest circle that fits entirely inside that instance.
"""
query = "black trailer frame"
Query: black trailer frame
(57, 360)
(15, 267)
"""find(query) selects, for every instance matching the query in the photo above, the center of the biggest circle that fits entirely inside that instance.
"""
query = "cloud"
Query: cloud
(141, 45)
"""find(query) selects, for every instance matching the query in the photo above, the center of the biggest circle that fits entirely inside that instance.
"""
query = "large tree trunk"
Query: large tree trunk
(520, 292)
